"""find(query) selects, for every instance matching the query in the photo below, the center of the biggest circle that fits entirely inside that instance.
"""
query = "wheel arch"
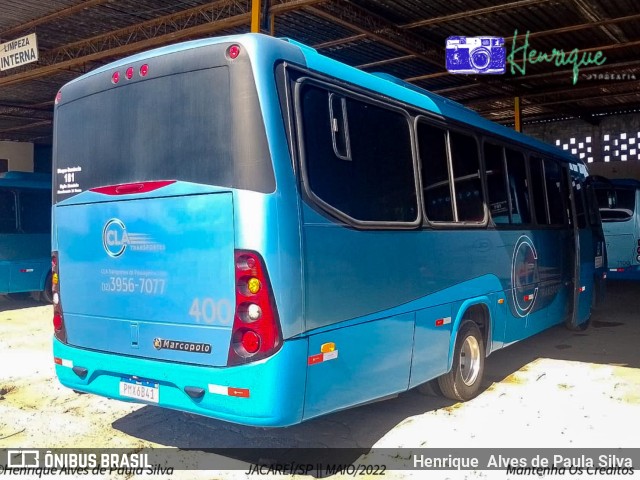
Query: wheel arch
(475, 309)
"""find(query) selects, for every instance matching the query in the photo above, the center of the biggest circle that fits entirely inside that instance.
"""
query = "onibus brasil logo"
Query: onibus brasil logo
(116, 239)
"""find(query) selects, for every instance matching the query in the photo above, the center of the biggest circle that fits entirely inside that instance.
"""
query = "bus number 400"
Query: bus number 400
(207, 310)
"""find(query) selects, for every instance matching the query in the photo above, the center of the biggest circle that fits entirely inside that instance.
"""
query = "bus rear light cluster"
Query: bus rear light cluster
(256, 326)
(58, 318)
(129, 73)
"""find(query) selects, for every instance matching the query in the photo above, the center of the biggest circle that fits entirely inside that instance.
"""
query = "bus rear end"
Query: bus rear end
(618, 201)
(165, 281)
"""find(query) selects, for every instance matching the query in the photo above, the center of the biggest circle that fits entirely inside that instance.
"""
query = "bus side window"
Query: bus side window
(538, 188)
(554, 185)
(8, 218)
(496, 183)
(466, 175)
(35, 211)
(435, 173)
(339, 126)
(518, 187)
(377, 183)
(581, 211)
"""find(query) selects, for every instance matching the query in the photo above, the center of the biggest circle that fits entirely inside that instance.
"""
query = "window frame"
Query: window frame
(447, 127)
(332, 88)
(16, 214)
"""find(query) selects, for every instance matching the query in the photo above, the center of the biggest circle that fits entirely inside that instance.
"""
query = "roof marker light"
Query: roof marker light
(115, 78)
(129, 73)
(144, 69)
(233, 51)
(58, 97)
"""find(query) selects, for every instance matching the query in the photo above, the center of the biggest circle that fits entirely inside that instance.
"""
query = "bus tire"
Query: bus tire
(579, 328)
(46, 295)
(463, 381)
(430, 388)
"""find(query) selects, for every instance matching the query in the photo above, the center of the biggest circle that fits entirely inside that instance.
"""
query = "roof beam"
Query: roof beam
(589, 11)
(195, 21)
(472, 13)
(362, 21)
(340, 41)
(65, 12)
(387, 61)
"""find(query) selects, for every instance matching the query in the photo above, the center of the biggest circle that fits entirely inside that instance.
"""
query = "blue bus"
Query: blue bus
(248, 230)
(619, 202)
(25, 234)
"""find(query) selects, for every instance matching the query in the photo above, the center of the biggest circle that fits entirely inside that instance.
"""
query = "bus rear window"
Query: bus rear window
(616, 204)
(174, 127)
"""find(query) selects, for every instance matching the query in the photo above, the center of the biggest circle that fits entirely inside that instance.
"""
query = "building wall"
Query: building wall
(610, 149)
(19, 155)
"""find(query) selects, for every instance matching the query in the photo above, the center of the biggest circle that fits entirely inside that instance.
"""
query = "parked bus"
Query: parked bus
(25, 234)
(618, 201)
(248, 230)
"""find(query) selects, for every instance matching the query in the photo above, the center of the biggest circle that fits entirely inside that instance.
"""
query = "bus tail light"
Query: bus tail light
(256, 326)
(58, 318)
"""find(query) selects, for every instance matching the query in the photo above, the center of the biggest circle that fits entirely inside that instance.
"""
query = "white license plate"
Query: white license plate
(141, 390)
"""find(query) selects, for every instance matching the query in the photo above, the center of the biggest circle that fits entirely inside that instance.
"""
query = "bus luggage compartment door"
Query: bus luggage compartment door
(150, 277)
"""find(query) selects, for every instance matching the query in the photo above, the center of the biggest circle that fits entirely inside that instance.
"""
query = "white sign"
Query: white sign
(18, 52)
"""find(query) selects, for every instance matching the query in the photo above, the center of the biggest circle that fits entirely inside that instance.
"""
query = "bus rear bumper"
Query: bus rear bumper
(627, 273)
(269, 392)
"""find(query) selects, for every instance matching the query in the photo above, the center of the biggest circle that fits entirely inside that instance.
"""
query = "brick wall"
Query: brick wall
(611, 148)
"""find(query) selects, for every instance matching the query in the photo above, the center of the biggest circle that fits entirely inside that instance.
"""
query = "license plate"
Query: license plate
(145, 390)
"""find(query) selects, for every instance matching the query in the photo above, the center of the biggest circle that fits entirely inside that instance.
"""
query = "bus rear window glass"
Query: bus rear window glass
(496, 183)
(435, 173)
(616, 204)
(175, 127)
(375, 182)
(518, 187)
(7, 212)
(466, 174)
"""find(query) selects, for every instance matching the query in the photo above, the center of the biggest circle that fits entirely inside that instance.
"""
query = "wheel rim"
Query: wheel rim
(470, 360)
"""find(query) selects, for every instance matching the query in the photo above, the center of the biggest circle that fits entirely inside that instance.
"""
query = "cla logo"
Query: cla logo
(524, 275)
(114, 237)
(157, 343)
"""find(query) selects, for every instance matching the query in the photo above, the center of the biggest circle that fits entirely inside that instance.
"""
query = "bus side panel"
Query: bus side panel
(370, 360)
(431, 344)
(30, 261)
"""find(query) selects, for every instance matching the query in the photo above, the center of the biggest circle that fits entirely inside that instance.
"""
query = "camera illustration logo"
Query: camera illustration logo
(472, 55)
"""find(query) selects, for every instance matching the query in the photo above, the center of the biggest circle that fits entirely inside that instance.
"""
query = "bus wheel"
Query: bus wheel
(47, 294)
(463, 381)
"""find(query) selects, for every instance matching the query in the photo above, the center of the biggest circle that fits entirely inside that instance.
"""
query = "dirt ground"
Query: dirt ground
(557, 389)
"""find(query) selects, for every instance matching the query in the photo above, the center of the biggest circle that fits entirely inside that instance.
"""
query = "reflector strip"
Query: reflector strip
(583, 288)
(26, 270)
(229, 391)
(443, 321)
(528, 298)
(239, 392)
(63, 362)
(322, 357)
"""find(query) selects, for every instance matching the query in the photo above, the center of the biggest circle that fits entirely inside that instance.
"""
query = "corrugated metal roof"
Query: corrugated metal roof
(405, 38)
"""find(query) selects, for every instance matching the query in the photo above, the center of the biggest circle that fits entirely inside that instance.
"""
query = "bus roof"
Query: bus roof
(25, 179)
(384, 84)
(414, 95)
